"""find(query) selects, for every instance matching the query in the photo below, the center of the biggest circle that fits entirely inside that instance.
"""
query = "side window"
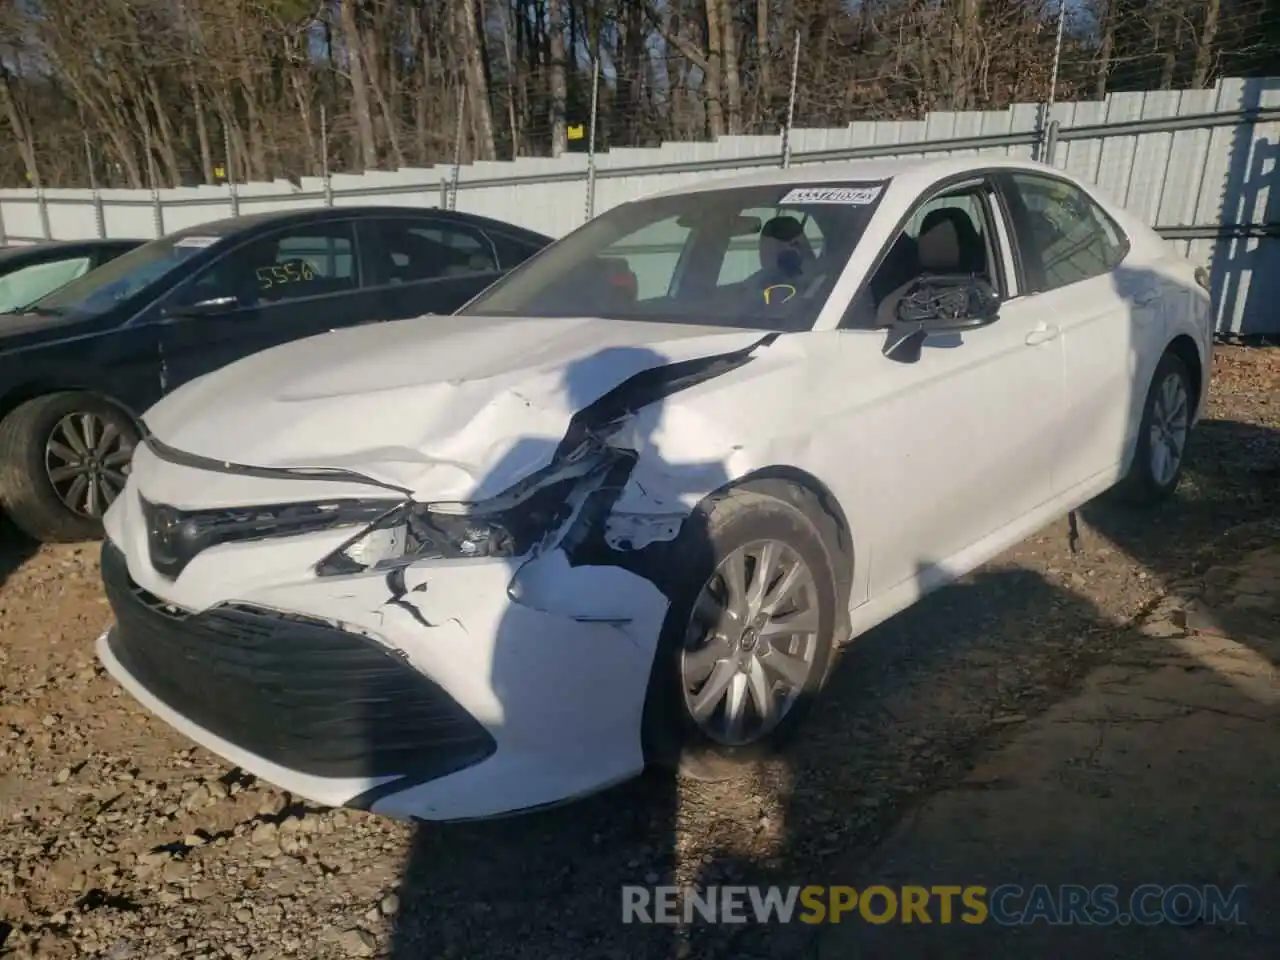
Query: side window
(412, 250)
(306, 261)
(1073, 237)
(948, 234)
(742, 258)
(25, 286)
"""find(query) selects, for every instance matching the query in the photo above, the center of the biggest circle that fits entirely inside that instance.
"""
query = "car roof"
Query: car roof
(67, 247)
(283, 218)
(920, 172)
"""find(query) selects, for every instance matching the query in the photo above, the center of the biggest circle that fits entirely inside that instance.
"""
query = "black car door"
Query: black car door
(426, 264)
(292, 283)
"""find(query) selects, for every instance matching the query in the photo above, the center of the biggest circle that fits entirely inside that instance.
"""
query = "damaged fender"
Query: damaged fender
(591, 594)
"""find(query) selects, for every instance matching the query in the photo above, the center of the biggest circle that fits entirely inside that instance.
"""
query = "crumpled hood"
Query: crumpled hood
(454, 407)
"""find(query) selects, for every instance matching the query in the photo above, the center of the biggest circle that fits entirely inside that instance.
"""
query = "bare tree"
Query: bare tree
(239, 84)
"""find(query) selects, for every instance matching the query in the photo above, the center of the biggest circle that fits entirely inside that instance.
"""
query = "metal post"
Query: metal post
(324, 157)
(1051, 141)
(99, 216)
(42, 205)
(444, 193)
(457, 149)
(791, 104)
(4, 236)
(231, 168)
(591, 139)
(157, 211)
(1045, 151)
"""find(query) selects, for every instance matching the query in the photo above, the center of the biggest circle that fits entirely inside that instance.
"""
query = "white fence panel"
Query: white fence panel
(1192, 162)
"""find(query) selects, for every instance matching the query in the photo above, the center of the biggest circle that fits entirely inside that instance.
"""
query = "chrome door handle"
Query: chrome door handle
(1042, 334)
(1146, 298)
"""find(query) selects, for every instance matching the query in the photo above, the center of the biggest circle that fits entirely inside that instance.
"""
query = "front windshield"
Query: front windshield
(99, 290)
(763, 257)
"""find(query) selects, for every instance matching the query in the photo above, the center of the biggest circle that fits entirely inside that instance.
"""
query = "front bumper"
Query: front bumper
(299, 693)
(457, 703)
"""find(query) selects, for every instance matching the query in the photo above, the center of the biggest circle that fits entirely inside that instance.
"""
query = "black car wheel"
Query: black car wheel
(747, 639)
(64, 458)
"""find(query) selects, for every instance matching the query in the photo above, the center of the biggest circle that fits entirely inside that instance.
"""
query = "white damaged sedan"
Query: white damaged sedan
(624, 507)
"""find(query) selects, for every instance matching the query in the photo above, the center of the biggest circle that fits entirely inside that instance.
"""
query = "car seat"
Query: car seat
(948, 245)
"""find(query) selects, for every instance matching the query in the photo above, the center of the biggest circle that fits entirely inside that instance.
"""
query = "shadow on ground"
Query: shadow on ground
(920, 699)
(911, 706)
(16, 548)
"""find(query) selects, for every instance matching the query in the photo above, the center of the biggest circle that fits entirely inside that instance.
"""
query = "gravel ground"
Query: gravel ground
(121, 840)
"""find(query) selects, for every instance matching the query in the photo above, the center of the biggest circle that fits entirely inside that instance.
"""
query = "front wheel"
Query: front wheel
(64, 458)
(1161, 447)
(747, 638)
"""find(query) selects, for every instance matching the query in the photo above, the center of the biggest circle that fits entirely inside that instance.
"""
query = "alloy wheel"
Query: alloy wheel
(87, 461)
(751, 643)
(1170, 426)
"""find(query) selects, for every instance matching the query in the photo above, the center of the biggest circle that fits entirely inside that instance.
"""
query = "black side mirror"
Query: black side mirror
(204, 308)
(940, 304)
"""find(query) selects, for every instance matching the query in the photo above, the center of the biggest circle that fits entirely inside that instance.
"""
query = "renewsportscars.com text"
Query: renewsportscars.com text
(1006, 905)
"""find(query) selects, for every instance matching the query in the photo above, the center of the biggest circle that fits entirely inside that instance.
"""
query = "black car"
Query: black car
(80, 365)
(30, 272)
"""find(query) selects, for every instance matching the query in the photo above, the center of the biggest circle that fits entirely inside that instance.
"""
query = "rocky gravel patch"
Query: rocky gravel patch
(118, 839)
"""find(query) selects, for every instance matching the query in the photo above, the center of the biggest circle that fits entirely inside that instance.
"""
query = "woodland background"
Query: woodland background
(173, 92)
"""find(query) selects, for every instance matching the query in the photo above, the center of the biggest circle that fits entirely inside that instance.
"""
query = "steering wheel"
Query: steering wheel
(778, 293)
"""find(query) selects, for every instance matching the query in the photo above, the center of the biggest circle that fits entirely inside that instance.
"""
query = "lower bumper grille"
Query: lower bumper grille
(295, 691)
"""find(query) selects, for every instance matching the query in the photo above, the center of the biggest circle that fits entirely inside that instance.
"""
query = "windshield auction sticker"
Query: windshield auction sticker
(852, 196)
(196, 241)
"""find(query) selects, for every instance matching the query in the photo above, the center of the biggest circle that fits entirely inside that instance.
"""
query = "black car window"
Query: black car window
(304, 261)
(29, 283)
(1072, 235)
(128, 275)
(426, 250)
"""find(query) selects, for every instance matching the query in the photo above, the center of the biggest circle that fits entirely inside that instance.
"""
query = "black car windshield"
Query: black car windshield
(128, 274)
(764, 257)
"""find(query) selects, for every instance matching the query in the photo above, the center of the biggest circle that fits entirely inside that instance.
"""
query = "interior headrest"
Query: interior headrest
(782, 228)
(787, 229)
(946, 236)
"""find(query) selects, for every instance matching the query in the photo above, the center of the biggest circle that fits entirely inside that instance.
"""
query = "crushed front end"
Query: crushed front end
(360, 648)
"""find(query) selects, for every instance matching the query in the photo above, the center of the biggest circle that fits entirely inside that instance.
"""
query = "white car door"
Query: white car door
(956, 447)
(1108, 315)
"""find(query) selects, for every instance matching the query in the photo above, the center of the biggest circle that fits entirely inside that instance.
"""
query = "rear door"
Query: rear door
(422, 265)
(292, 283)
(1107, 316)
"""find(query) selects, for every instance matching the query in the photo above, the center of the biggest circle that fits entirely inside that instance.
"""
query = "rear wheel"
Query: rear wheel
(1161, 447)
(64, 458)
(747, 640)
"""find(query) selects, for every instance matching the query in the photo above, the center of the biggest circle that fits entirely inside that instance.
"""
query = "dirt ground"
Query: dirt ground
(121, 840)
(1162, 769)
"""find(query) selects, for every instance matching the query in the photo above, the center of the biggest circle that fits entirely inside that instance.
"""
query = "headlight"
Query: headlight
(453, 531)
(175, 537)
(508, 525)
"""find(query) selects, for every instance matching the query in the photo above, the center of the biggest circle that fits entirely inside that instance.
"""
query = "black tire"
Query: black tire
(671, 737)
(26, 490)
(1140, 486)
